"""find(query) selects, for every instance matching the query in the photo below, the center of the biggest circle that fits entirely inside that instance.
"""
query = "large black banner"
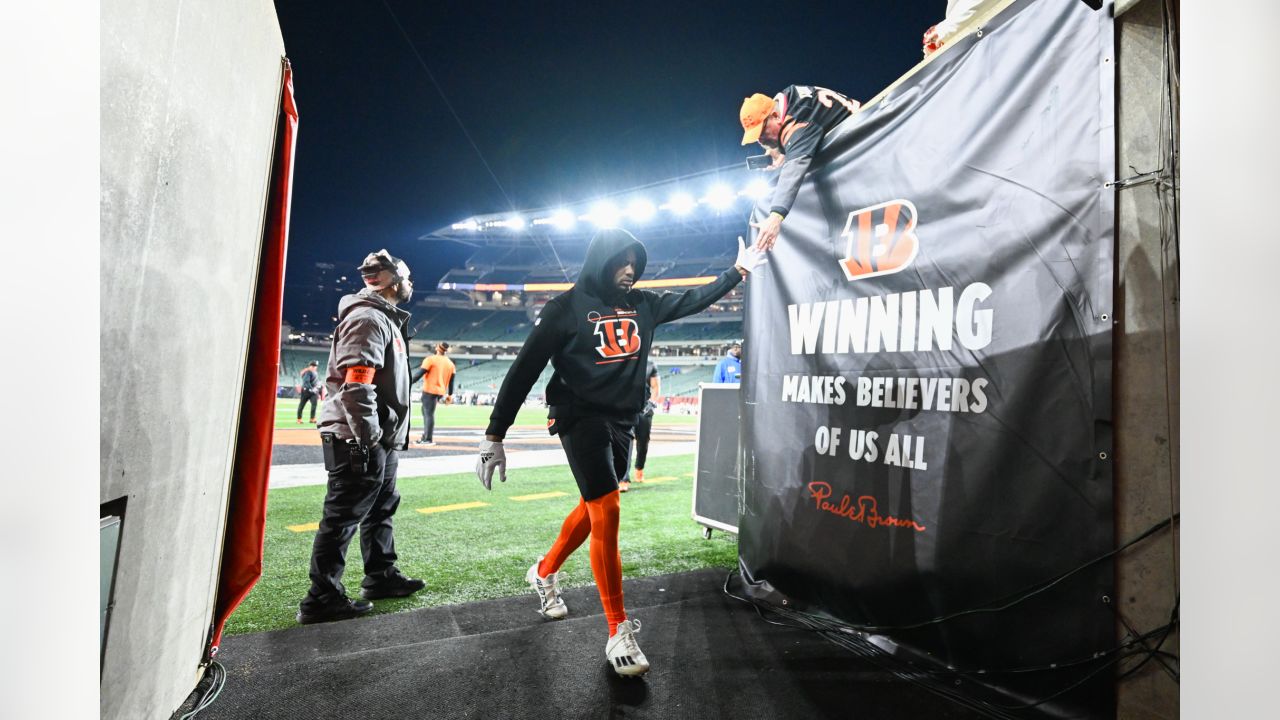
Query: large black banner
(927, 400)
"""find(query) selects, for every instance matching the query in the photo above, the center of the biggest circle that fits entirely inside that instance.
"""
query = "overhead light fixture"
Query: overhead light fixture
(563, 219)
(640, 210)
(605, 214)
(720, 197)
(469, 224)
(682, 203)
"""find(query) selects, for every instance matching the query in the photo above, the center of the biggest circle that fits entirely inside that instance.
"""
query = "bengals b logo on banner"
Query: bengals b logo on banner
(881, 240)
(619, 336)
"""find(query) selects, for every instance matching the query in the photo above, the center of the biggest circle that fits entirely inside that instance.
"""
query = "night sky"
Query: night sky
(565, 101)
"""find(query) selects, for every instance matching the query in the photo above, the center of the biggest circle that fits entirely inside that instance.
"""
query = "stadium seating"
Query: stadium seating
(483, 376)
(293, 360)
(685, 382)
(455, 325)
(699, 331)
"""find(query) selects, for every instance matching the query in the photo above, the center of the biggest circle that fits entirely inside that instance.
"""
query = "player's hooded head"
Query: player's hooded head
(382, 271)
(615, 261)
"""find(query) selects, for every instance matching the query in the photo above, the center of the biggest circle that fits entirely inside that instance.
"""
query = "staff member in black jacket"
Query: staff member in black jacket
(362, 426)
(597, 337)
(309, 390)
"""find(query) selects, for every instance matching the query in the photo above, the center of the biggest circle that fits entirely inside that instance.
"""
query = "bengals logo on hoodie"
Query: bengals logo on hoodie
(618, 335)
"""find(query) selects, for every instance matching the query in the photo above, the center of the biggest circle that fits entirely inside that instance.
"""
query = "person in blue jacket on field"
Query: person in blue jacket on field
(729, 370)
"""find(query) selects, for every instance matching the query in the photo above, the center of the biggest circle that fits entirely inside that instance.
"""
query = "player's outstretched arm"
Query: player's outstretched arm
(673, 306)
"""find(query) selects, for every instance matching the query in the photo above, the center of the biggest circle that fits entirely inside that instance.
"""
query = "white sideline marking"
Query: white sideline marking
(283, 476)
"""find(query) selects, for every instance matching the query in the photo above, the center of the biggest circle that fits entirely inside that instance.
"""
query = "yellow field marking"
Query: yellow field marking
(307, 527)
(538, 496)
(450, 508)
(659, 479)
(689, 474)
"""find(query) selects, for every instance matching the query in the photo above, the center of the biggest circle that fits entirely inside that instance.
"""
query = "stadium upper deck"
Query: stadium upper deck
(689, 227)
(486, 307)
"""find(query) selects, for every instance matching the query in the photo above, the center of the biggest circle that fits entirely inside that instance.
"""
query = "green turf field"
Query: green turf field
(462, 415)
(483, 552)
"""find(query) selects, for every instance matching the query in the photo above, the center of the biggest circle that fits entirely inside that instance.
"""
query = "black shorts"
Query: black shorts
(599, 450)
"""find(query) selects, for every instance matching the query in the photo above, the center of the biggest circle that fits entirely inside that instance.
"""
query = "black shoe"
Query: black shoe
(343, 610)
(393, 585)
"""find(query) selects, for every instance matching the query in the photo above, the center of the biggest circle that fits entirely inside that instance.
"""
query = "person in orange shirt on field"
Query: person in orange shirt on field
(437, 373)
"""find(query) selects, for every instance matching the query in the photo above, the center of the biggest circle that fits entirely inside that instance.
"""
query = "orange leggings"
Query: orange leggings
(599, 519)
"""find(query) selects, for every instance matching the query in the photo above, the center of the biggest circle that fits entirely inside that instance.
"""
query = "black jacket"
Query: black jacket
(597, 340)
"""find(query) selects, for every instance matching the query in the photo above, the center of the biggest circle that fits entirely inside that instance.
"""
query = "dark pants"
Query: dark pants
(644, 424)
(598, 450)
(367, 501)
(308, 397)
(429, 415)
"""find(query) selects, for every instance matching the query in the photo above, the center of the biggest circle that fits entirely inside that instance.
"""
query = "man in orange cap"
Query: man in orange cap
(789, 127)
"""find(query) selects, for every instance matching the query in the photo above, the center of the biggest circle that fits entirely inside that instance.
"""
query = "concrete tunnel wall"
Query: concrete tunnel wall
(189, 101)
(1146, 359)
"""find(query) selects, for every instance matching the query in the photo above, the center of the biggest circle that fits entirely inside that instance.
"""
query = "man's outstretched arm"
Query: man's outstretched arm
(673, 306)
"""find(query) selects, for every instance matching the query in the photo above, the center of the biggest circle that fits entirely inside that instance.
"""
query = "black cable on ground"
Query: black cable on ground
(218, 679)
(1030, 591)
(852, 637)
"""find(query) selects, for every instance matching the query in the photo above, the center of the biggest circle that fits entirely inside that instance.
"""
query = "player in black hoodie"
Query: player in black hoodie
(597, 337)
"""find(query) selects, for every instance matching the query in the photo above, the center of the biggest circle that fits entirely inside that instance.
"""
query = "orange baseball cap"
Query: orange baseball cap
(754, 110)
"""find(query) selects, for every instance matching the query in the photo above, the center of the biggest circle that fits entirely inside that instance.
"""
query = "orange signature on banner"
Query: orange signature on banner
(864, 511)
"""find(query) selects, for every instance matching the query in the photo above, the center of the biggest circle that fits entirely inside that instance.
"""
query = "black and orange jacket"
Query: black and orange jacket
(808, 113)
(597, 339)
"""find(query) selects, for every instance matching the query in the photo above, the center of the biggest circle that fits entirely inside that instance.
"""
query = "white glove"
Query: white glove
(492, 455)
(749, 258)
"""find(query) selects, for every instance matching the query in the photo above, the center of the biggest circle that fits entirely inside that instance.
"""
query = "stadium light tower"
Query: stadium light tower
(684, 206)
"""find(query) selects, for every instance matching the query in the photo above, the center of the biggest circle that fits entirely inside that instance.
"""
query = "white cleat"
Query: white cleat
(623, 652)
(548, 589)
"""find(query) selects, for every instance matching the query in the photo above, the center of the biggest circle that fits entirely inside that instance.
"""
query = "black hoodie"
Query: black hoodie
(597, 339)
